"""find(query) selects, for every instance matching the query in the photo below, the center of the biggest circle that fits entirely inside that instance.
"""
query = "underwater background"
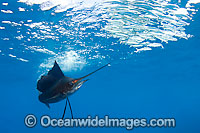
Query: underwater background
(153, 47)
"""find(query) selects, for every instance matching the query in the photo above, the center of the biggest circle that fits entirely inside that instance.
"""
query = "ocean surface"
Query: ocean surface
(153, 47)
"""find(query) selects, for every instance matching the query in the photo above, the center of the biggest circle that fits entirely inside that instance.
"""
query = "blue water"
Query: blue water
(162, 82)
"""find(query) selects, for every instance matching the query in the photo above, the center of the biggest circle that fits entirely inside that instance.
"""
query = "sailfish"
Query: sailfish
(55, 86)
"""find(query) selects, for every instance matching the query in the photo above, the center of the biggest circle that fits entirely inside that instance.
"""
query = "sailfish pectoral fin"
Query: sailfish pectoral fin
(72, 91)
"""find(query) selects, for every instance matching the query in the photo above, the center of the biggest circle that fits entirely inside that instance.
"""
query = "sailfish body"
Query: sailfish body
(59, 91)
(55, 86)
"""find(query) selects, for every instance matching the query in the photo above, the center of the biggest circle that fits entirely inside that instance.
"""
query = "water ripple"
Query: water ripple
(95, 31)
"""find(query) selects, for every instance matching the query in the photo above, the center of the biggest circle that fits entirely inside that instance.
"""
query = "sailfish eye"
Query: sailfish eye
(71, 83)
(74, 81)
